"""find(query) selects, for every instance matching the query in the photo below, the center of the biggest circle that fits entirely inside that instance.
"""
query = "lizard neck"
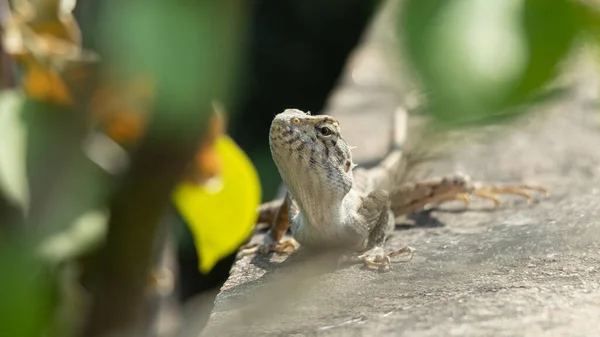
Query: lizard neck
(317, 200)
(318, 196)
(318, 224)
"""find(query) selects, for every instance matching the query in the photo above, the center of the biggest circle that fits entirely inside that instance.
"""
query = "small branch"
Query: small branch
(136, 216)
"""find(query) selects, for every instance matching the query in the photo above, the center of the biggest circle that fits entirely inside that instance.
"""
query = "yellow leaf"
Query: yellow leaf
(221, 218)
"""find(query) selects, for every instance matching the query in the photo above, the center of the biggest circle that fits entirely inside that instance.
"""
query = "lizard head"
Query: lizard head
(313, 159)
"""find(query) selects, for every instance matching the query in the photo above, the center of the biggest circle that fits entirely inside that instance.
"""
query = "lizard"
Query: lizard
(332, 203)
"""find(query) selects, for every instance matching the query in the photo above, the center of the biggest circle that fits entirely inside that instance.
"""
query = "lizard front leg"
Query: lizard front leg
(267, 212)
(412, 197)
(280, 224)
(376, 216)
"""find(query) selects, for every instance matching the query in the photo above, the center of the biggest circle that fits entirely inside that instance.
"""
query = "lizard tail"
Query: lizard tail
(385, 173)
(399, 129)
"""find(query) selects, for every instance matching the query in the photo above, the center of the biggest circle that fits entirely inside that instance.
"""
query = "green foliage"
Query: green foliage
(44, 174)
(479, 60)
(177, 59)
(189, 49)
(13, 182)
(25, 307)
(86, 233)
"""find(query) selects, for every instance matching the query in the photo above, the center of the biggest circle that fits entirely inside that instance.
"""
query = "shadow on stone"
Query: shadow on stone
(422, 219)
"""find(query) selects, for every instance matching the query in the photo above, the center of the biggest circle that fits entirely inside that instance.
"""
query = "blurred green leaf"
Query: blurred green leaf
(550, 29)
(25, 293)
(590, 18)
(13, 179)
(195, 60)
(86, 233)
(477, 59)
(55, 142)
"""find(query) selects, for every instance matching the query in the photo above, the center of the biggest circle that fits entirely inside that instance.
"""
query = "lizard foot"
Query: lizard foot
(282, 247)
(404, 251)
(492, 192)
(377, 258)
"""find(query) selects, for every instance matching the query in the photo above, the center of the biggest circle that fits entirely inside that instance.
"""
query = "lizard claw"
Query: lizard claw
(376, 258)
(282, 247)
(492, 193)
(409, 251)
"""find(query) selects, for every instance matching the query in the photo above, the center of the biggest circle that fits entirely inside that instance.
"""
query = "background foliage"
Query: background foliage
(70, 198)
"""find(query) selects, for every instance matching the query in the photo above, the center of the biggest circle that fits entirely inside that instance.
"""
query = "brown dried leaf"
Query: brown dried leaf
(45, 40)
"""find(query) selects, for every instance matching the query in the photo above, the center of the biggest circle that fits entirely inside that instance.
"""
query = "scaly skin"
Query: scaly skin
(331, 204)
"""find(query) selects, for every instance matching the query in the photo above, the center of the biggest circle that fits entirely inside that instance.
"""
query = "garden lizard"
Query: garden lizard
(332, 204)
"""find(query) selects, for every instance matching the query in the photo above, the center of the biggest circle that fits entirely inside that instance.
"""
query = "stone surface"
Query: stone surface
(519, 270)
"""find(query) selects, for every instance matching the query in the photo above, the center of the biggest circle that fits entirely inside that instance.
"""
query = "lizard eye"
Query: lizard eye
(295, 121)
(325, 131)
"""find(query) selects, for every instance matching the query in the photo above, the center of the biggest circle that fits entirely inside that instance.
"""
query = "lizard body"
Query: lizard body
(330, 204)
(316, 165)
